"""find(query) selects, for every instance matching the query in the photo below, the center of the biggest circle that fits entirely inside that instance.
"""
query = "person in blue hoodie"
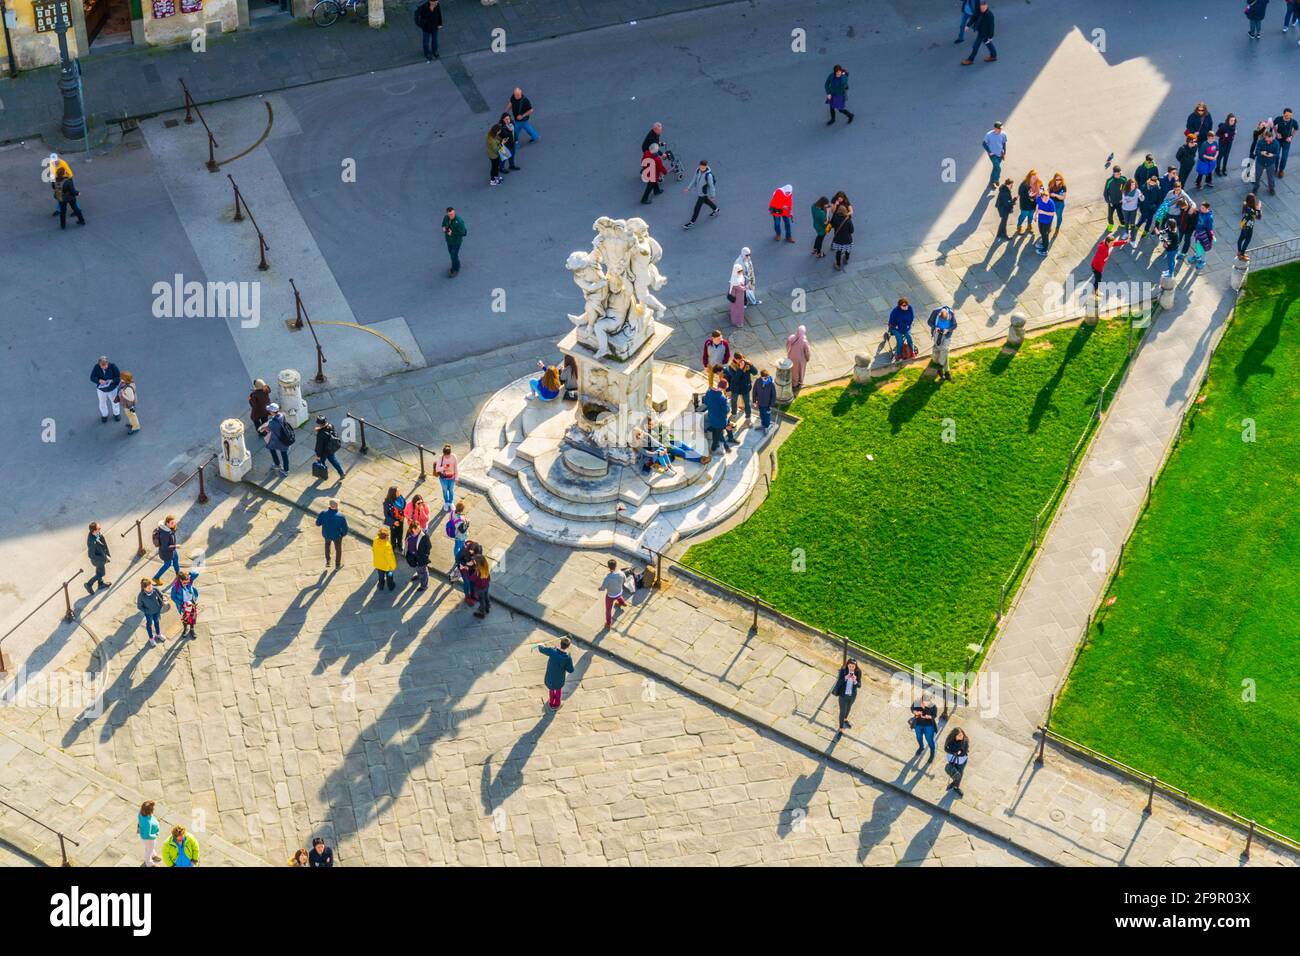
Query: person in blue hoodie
(333, 528)
(1203, 235)
(716, 411)
(900, 326)
(186, 598)
(943, 323)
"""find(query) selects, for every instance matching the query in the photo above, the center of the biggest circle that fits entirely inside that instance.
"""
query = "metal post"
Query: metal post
(754, 626)
(3, 669)
(659, 570)
(362, 423)
(1250, 837)
(139, 540)
(1151, 796)
(944, 691)
(263, 265)
(1042, 731)
(212, 157)
(296, 324)
(320, 365)
(203, 493)
(421, 447)
(74, 117)
(845, 662)
(63, 851)
(67, 600)
(239, 215)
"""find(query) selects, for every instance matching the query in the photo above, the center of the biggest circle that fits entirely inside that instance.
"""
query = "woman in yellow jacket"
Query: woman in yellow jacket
(385, 560)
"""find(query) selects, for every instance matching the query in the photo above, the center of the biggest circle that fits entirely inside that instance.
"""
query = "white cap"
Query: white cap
(273, 407)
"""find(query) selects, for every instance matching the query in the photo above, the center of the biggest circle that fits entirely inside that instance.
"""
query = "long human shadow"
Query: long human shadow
(1254, 360)
(1043, 400)
(966, 228)
(888, 807)
(1180, 389)
(909, 403)
(127, 697)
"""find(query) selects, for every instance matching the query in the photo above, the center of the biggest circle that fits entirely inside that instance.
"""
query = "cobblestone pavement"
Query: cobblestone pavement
(408, 733)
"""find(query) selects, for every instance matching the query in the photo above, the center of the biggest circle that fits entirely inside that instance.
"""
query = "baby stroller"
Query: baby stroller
(189, 617)
(670, 160)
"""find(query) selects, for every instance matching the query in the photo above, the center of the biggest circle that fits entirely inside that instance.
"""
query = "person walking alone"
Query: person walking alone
(982, 24)
(333, 529)
(164, 539)
(559, 664)
(653, 172)
(107, 380)
(846, 689)
(385, 561)
(995, 145)
(705, 188)
(612, 585)
(957, 749)
(781, 208)
(65, 194)
(925, 723)
(1284, 128)
(327, 445)
(454, 231)
(428, 17)
(98, 553)
(1252, 210)
(837, 93)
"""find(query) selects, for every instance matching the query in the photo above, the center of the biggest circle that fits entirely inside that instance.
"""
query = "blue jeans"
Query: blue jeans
(1281, 158)
(1026, 215)
(281, 458)
(174, 562)
(1255, 27)
(431, 43)
(996, 175)
(765, 416)
(1171, 260)
(901, 336)
(925, 736)
(453, 250)
(736, 399)
(523, 126)
(961, 25)
(333, 460)
(975, 48)
(448, 490)
(152, 626)
(1291, 16)
(776, 225)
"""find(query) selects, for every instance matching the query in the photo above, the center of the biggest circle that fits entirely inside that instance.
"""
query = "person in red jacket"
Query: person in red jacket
(1101, 257)
(653, 171)
(781, 206)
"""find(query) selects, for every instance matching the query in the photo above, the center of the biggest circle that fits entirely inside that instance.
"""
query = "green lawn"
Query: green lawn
(905, 553)
(1206, 603)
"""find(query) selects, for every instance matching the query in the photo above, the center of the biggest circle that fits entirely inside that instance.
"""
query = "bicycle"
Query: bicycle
(326, 12)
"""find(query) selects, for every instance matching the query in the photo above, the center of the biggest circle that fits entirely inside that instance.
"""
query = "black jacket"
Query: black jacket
(842, 226)
(1113, 189)
(426, 19)
(983, 25)
(97, 550)
(1198, 126)
(109, 378)
(326, 441)
(650, 137)
(421, 553)
(960, 748)
(838, 690)
(741, 380)
(1026, 201)
(1005, 201)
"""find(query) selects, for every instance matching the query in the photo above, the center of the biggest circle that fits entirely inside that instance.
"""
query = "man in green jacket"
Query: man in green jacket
(558, 666)
(453, 227)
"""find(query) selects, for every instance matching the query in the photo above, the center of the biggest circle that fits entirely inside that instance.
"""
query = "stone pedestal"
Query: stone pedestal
(615, 396)
(784, 390)
(1239, 271)
(235, 459)
(375, 13)
(861, 368)
(1166, 292)
(292, 405)
(1016, 332)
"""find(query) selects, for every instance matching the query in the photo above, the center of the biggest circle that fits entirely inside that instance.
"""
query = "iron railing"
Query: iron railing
(69, 614)
(63, 840)
(202, 499)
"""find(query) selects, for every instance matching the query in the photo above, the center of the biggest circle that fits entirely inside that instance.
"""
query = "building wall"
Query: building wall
(32, 49)
(180, 26)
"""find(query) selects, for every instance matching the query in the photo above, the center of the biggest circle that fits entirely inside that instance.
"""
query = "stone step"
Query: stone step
(554, 475)
(511, 503)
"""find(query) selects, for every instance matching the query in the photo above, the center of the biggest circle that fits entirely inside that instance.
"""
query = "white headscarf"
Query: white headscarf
(787, 189)
(746, 265)
(737, 276)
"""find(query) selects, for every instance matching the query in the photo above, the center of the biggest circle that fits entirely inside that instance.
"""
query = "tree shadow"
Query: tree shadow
(1253, 360)
(1043, 400)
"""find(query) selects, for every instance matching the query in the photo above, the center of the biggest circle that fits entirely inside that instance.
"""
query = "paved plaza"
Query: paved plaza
(397, 725)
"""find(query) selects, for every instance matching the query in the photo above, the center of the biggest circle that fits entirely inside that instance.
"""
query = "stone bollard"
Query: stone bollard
(861, 368)
(292, 404)
(235, 459)
(1166, 292)
(1238, 277)
(1016, 331)
(1091, 309)
(375, 13)
(784, 390)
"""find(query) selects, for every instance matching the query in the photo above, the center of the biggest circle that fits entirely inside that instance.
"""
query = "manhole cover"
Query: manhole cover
(1057, 816)
(171, 122)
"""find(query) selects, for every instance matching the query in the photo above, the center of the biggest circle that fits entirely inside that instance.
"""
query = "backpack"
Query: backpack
(286, 432)
(58, 190)
(450, 527)
(157, 538)
(1163, 211)
(335, 443)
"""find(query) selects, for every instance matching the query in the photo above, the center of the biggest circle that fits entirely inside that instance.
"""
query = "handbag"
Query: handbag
(318, 469)
(504, 153)
(730, 297)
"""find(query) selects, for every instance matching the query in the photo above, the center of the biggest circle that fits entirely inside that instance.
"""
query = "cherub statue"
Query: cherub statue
(595, 288)
(646, 277)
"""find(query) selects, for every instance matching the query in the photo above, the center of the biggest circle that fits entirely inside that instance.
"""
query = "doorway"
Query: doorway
(108, 23)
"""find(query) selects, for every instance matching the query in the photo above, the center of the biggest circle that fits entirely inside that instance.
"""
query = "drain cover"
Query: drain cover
(171, 122)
